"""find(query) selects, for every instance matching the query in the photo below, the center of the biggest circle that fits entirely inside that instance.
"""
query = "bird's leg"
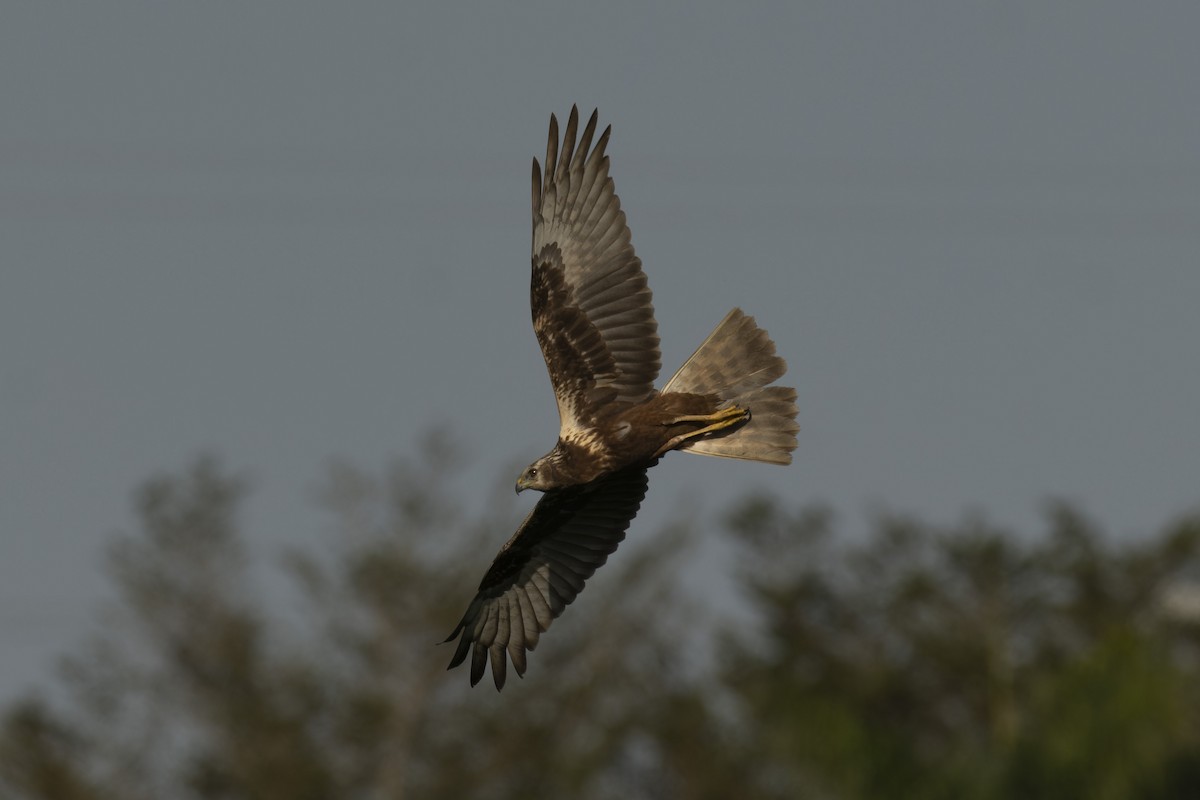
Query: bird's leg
(717, 421)
(734, 413)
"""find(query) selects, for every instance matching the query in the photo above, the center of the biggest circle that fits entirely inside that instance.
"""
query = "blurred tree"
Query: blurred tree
(966, 662)
(917, 662)
(192, 690)
(39, 757)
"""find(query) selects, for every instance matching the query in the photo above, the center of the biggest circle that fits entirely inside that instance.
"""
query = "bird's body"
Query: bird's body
(626, 434)
(594, 321)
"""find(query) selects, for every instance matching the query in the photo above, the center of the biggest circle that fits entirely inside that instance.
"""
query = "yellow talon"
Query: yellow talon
(735, 413)
(719, 421)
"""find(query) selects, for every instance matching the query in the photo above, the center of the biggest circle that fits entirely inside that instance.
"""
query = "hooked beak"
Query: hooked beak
(521, 485)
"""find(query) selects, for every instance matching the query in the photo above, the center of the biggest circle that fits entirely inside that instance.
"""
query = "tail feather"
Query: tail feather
(736, 363)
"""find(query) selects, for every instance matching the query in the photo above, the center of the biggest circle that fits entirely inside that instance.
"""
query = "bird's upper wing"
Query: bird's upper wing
(591, 305)
(541, 569)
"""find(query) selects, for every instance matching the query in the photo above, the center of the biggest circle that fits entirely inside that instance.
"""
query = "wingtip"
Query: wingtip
(460, 653)
(602, 143)
(499, 673)
(478, 663)
(567, 152)
(537, 186)
(552, 146)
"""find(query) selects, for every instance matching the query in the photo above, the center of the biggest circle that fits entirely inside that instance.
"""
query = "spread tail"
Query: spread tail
(736, 363)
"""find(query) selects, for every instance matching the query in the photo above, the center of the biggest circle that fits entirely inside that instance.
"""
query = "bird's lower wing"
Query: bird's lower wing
(541, 569)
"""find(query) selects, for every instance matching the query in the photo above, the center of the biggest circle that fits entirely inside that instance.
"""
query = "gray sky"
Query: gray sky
(285, 232)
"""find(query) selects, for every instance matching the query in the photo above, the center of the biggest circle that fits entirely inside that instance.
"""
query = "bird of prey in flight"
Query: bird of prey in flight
(594, 321)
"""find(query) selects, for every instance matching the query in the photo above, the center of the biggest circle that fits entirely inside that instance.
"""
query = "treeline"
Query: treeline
(915, 661)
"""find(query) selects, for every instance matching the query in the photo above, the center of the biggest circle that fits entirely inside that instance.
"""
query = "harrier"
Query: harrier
(594, 321)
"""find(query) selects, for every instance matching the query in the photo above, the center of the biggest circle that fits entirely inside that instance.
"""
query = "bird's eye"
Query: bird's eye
(533, 472)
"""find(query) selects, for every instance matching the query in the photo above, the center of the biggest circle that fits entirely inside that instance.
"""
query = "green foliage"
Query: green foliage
(916, 662)
(967, 662)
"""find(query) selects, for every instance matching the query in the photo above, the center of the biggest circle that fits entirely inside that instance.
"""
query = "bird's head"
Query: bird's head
(542, 474)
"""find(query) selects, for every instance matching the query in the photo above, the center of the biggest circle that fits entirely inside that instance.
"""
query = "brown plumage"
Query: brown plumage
(594, 321)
